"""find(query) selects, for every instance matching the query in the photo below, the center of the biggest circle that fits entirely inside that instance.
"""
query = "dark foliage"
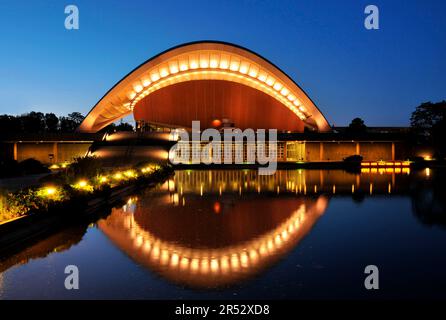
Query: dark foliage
(353, 158)
(428, 124)
(122, 126)
(12, 168)
(37, 122)
(357, 127)
(84, 167)
(32, 166)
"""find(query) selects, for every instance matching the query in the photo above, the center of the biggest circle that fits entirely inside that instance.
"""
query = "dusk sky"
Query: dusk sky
(348, 71)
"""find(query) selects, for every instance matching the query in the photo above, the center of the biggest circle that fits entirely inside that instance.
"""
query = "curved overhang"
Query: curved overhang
(203, 61)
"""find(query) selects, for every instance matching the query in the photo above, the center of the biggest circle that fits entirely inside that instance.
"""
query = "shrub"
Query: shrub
(32, 166)
(83, 167)
(416, 159)
(353, 158)
(9, 168)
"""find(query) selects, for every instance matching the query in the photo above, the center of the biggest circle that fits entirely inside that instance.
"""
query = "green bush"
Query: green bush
(84, 167)
(67, 186)
(353, 159)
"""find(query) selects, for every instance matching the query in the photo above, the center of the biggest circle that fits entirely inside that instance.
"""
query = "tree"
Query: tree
(428, 124)
(426, 116)
(124, 126)
(71, 122)
(33, 122)
(51, 122)
(9, 124)
(357, 126)
(67, 125)
(76, 117)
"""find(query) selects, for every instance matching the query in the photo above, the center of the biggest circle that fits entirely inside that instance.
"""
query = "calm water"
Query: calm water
(234, 234)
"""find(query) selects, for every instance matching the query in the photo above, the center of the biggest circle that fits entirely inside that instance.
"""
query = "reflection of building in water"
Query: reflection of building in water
(1, 285)
(216, 227)
(389, 180)
(201, 246)
(58, 242)
(428, 196)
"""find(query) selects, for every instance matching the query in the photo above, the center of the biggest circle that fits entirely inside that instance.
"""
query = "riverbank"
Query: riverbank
(15, 233)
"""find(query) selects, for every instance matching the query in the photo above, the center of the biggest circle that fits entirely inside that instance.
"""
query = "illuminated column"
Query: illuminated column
(55, 160)
(321, 151)
(393, 151)
(358, 149)
(321, 178)
(15, 151)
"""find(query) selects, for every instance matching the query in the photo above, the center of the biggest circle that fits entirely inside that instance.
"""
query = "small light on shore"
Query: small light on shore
(130, 174)
(118, 176)
(50, 191)
(82, 183)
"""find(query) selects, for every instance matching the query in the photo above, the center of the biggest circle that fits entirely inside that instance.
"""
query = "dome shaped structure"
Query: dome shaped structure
(208, 81)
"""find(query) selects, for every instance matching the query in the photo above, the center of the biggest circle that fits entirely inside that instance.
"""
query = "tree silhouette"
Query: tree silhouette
(357, 127)
(33, 122)
(51, 122)
(428, 124)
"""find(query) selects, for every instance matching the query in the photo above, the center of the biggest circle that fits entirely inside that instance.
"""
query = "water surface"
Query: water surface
(304, 234)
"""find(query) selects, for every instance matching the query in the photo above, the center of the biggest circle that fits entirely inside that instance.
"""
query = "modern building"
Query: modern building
(213, 82)
(225, 85)
(221, 85)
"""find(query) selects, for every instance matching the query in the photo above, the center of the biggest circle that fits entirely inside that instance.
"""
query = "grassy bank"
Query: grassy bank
(84, 180)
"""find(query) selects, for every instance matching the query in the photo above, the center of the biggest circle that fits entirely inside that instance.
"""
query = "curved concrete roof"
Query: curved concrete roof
(205, 60)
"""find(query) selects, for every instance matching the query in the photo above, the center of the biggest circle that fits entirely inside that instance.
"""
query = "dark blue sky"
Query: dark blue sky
(348, 71)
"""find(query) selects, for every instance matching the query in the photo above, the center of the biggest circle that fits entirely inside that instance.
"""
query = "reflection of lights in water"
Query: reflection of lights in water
(175, 199)
(224, 264)
(427, 172)
(130, 205)
(219, 261)
(217, 207)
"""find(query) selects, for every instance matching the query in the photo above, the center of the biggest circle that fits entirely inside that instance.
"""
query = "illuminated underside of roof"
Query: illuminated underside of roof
(202, 61)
